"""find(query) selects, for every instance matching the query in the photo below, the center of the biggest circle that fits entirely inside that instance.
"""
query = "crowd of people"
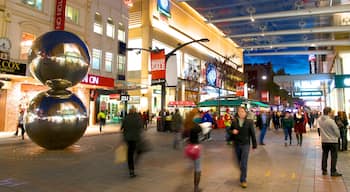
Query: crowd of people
(240, 132)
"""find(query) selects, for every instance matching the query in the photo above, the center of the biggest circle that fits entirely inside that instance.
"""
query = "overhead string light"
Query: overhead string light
(251, 10)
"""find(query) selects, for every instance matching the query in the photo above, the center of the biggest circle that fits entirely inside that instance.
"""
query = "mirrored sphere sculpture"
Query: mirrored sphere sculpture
(56, 122)
(57, 118)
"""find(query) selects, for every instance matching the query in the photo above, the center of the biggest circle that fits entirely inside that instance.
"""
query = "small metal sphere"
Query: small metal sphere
(55, 121)
(59, 55)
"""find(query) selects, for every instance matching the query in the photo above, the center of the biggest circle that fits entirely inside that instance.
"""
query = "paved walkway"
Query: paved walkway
(89, 166)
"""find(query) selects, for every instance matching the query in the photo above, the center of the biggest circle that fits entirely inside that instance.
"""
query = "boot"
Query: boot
(132, 174)
(197, 178)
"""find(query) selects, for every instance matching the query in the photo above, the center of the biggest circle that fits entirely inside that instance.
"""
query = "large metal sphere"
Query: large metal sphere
(59, 55)
(55, 122)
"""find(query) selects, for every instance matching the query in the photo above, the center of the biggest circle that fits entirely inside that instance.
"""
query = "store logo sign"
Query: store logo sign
(60, 14)
(342, 81)
(11, 67)
(98, 80)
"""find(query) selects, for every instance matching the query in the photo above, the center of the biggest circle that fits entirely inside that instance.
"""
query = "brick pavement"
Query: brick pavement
(89, 166)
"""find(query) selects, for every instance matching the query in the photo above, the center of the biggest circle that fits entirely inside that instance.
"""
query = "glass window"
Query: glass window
(72, 14)
(110, 28)
(121, 64)
(96, 58)
(38, 4)
(26, 42)
(98, 23)
(121, 33)
(108, 61)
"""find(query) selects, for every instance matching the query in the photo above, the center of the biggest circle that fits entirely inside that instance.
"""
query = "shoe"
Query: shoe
(244, 185)
(324, 172)
(336, 174)
(132, 175)
(262, 143)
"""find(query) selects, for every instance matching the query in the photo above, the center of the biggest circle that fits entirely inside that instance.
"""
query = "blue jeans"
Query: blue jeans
(242, 152)
(288, 132)
(262, 133)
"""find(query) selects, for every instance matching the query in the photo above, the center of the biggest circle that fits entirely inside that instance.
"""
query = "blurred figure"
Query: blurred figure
(192, 122)
(287, 123)
(299, 126)
(101, 117)
(243, 132)
(207, 117)
(145, 118)
(329, 138)
(276, 120)
(132, 129)
(20, 123)
(262, 121)
(177, 127)
(227, 123)
(342, 121)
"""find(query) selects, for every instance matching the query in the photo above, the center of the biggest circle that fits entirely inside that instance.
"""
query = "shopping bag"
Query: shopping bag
(120, 154)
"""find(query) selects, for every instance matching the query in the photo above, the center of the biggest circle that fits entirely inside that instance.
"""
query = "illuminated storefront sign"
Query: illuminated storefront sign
(98, 80)
(158, 65)
(60, 14)
(10, 67)
(211, 75)
(124, 97)
(307, 93)
(342, 81)
(164, 7)
(240, 89)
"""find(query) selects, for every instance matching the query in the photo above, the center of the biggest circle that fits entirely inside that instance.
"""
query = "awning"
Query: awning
(181, 104)
(215, 103)
(259, 104)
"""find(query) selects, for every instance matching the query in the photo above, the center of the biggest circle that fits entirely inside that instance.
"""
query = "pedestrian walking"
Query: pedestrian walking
(227, 123)
(287, 123)
(20, 123)
(193, 148)
(299, 126)
(145, 118)
(132, 131)
(342, 121)
(243, 134)
(101, 117)
(329, 139)
(262, 121)
(177, 127)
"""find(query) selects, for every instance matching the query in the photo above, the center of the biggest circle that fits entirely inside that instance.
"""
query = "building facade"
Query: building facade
(102, 24)
(167, 25)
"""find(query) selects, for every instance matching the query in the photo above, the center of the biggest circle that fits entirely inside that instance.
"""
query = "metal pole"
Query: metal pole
(163, 84)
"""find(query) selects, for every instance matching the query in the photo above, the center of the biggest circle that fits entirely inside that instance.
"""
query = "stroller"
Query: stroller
(206, 128)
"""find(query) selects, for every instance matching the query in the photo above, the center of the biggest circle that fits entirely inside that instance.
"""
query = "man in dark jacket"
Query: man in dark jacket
(243, 131)
(132, 128)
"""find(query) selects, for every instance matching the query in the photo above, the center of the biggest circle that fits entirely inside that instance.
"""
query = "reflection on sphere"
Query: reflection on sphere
(55, 122)
(59, 55)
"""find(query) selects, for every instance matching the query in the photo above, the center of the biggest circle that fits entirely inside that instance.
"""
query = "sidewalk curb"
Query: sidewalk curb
(14, 141)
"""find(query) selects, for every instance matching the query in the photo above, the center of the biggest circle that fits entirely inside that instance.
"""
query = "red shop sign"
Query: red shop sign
(98, 80)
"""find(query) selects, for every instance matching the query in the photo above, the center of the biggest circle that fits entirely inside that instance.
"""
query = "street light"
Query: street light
(163, 87)
(163, 83)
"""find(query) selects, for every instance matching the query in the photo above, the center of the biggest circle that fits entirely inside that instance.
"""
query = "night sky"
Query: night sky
(292, 64)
